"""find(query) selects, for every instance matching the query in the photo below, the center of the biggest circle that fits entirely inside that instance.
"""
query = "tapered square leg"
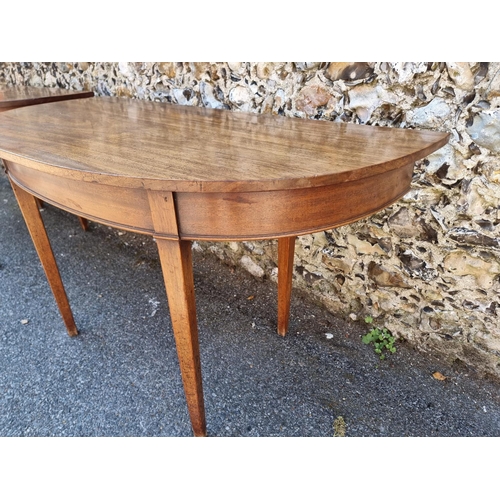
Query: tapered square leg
(286, 249)
(29, 209)
(177, 267)
(84, 223)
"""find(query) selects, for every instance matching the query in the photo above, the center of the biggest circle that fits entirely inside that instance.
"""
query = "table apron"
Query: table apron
(219, 216)
(271, 214)
(121, 207)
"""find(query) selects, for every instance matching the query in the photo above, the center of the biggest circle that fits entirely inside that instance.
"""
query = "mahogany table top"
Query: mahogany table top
(153, 145)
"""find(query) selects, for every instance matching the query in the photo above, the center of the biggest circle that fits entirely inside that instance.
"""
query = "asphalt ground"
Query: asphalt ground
(120, 376)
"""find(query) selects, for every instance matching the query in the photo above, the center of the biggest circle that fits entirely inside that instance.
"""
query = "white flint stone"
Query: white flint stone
(196, 247)
(240, 96)
(50, 80)
(208, 97)
(404, 225)
(446, 154)
(336, 265)
(365, 99)
(461, 75)
(438, 321)
(427, 196)
(481, 195)
(492, 170)
(124, 68)
(237, 67)
(179, 96)
(35, 81)
(75, 84)
(431, 115)
(279, 100)
(265, 70)
(485, 130)
(217, 250)
(252, 267)
(320, 240)
(364, 247)
(461, 263)
(439, 219)
(267, 105)
(407, 70)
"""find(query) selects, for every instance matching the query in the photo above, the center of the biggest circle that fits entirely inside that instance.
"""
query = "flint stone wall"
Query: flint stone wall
(428, 267)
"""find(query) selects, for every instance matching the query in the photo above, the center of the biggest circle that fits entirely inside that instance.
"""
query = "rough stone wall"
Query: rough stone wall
(428, 267)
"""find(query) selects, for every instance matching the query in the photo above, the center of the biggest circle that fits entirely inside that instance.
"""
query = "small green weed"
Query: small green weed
(382, 339)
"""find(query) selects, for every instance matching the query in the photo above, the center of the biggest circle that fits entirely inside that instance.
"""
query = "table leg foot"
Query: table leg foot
(177, 267)
(286, 249)
(29, 208)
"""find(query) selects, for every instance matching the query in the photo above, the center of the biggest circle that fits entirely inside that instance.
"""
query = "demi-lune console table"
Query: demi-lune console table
(181, 173)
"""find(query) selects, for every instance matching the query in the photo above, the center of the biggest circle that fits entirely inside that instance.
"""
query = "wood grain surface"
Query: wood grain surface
(162, 146)
(17, 97)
